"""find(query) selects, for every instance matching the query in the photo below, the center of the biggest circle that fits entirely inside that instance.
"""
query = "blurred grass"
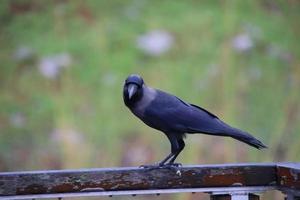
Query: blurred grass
(78, 119)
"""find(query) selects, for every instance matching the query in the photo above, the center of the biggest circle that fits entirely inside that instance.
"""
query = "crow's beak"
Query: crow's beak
(132, 88)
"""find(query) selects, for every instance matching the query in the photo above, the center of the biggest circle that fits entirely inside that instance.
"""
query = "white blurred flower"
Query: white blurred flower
(17, 120)
(155, 42)
(242, 42)
(50, 67)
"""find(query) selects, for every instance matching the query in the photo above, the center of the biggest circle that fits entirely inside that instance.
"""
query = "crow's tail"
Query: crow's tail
(246, 138)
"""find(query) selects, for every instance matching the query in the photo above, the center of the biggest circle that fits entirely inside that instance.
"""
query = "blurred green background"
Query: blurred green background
(63, 64)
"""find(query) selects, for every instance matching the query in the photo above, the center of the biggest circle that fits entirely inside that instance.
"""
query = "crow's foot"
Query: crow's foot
(174, 167)
(171, 166)
(174, 164)
(154, 166)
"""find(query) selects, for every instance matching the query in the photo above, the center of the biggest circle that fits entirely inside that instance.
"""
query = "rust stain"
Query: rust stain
(32, 189)
(289, 177)
(64, 187)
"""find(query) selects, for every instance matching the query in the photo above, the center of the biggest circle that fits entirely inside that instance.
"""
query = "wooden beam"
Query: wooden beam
(136, 179)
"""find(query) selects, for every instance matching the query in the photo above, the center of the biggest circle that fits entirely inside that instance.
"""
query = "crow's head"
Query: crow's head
(133, 89)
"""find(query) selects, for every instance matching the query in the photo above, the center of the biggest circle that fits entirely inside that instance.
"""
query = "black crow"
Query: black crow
(175, 117)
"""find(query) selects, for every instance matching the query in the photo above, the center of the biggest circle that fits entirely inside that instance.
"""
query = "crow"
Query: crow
(175, 117)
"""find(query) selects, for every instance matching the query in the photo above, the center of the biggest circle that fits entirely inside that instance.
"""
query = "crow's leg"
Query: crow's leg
(181, 146)
(175, 166)
(162, 163)
(174, 148)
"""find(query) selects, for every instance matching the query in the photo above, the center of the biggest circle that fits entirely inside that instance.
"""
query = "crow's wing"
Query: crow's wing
(169, 113)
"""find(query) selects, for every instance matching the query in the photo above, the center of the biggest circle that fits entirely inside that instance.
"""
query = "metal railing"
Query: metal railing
(226, 181)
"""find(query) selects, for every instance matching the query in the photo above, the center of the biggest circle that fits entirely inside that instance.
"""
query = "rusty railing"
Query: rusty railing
(227, 181)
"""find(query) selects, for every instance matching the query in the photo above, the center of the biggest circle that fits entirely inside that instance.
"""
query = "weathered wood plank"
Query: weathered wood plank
(128, 179)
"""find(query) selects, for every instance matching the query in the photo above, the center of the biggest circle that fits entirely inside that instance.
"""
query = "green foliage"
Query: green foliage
(78, 119)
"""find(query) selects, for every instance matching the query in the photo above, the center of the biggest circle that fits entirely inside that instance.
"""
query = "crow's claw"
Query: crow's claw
(174, 167)
(174, 164)
(154, 166)
(171, 166)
